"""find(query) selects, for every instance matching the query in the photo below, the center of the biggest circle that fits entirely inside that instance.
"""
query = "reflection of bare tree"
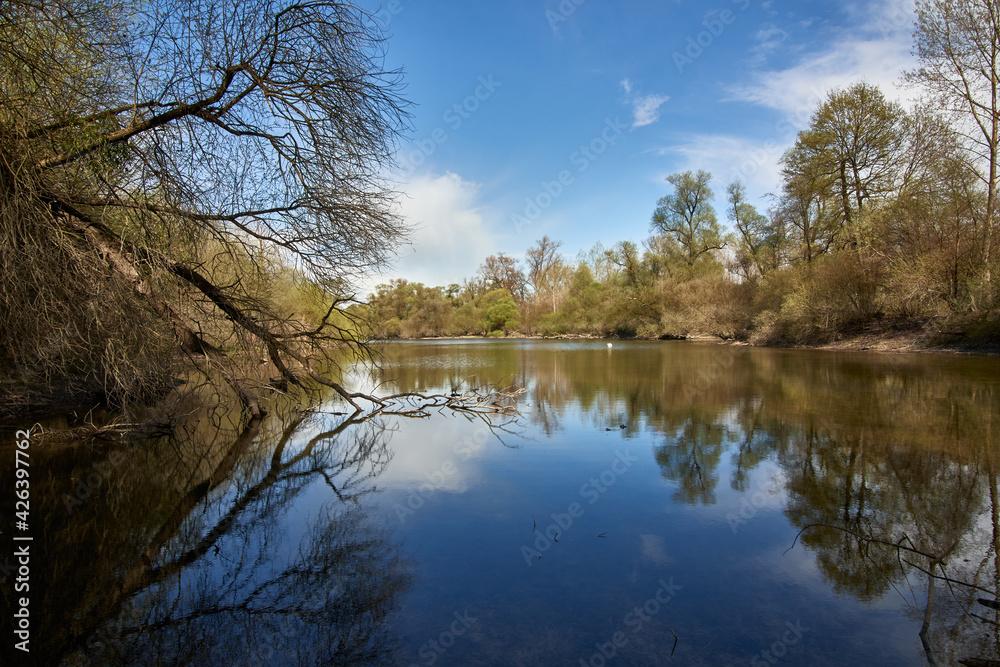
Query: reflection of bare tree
(326, 605)
(216, 582)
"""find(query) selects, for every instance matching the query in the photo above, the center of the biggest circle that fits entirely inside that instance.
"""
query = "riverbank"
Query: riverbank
(18, 402)
(888, 341)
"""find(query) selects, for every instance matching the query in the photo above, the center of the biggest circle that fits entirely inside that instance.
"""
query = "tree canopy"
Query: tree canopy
(163, 162)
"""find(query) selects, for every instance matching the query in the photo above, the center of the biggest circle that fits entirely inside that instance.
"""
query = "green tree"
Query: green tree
(500, 312)
(806, 205)
(759, 243)
(855, 141)
(688, 217)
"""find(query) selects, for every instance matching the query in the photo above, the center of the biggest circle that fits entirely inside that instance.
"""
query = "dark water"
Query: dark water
(655, 503)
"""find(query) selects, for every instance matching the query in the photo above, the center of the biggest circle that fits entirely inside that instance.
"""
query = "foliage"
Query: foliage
(500, 312)
(687, 216)
(882, 221)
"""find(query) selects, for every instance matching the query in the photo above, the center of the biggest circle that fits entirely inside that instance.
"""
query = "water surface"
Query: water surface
(654, 503)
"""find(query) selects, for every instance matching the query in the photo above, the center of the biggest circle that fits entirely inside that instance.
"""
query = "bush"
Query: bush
(833, 295)
(502, 313)
(393, 328)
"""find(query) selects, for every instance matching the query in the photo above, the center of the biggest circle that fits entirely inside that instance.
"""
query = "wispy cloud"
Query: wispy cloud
(730, 158)
(646, 109)
(769, 39)
(876, 49)
(450, 237)
(797, 90)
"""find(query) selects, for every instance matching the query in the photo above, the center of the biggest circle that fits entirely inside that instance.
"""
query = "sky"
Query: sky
(564, 117)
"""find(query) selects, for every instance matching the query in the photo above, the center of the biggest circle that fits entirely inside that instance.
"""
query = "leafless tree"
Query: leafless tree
(541, 258)
(161, 161)
(958, 44)
(502, 271)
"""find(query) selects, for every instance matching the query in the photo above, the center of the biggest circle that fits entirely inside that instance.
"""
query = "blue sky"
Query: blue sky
(564, 117)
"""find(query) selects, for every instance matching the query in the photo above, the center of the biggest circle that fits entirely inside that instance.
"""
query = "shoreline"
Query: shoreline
(21, 403)
(907, 342)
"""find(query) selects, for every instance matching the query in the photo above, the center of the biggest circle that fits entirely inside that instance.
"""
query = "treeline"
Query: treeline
(883, 219)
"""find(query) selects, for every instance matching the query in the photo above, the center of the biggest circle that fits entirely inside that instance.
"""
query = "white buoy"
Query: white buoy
(609, 344)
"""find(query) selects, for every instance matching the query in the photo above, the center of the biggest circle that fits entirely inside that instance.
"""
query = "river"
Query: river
(652, 503)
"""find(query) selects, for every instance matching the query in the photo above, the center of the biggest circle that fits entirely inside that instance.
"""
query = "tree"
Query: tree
(958, 45)
(687, 216)
(501, 312)
(161, 160)
(806, 204)
(758, 241)
(855, 142)
(502, 271)
(547, 274)
(931, 232)
(542, 259)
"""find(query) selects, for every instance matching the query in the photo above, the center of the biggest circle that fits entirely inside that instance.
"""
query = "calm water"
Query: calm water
(645, 509)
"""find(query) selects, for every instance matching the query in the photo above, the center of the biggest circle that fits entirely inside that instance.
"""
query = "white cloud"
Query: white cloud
(646, 109)
(769, 39)
(731, 158)
(449, 239)
(876, 49)
(436, 462)
(798, 90)
(654, 549)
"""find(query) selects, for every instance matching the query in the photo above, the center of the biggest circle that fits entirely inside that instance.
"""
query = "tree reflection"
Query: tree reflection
(327, 604)
(691, 458)
(887, 515)
(889, 459)
(193, 550)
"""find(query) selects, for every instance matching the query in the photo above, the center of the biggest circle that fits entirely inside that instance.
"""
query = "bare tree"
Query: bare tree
(502, 271)
(547, 272)
(958, 44)
(159, 163)
(541, 259)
